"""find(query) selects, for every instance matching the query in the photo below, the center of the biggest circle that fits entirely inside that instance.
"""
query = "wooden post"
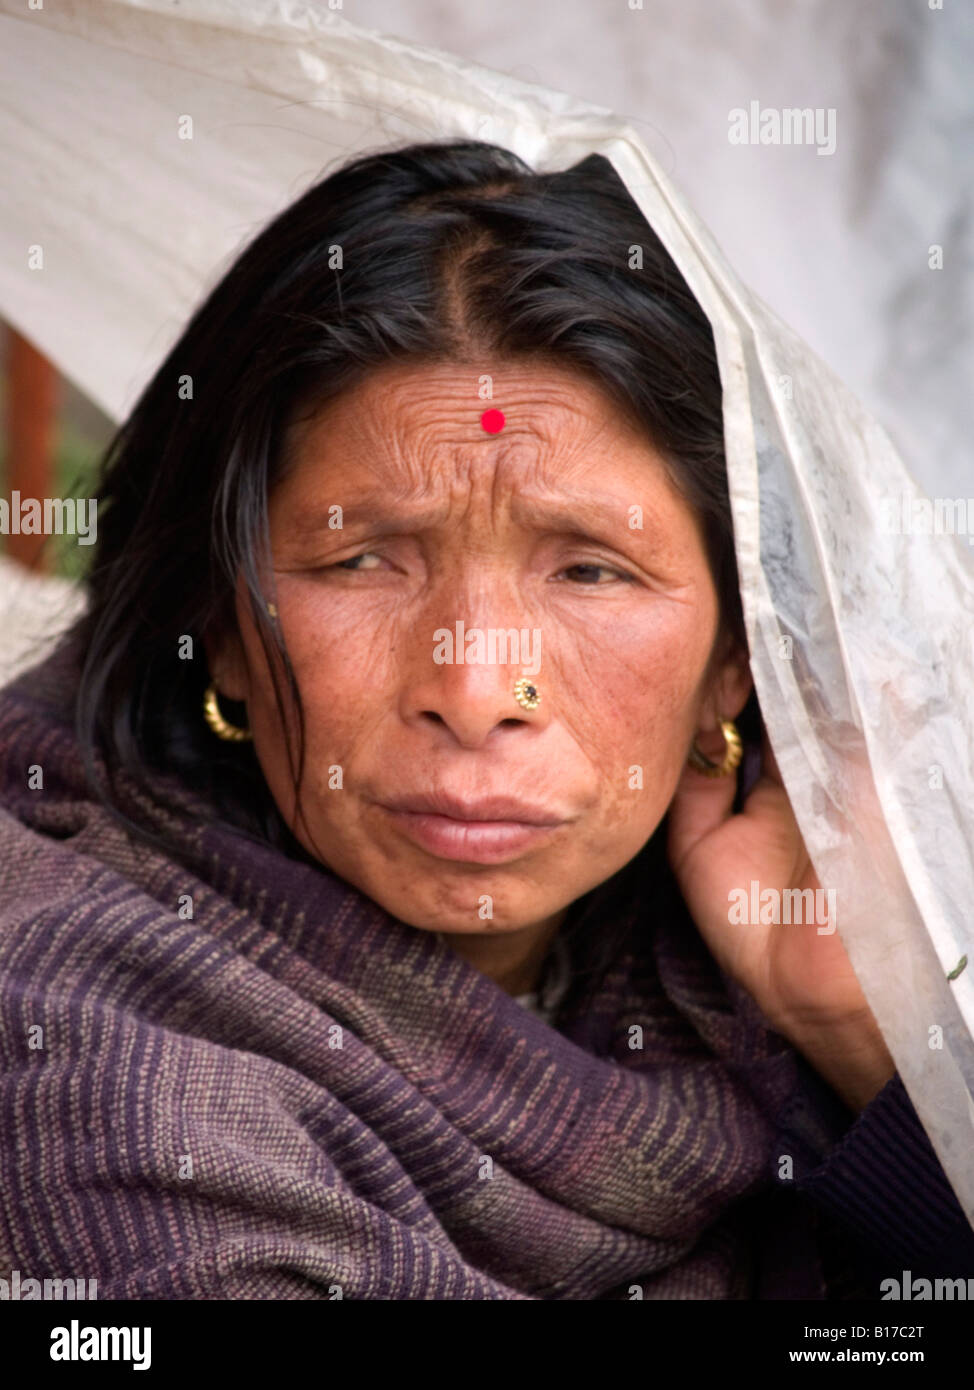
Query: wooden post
(31, 429)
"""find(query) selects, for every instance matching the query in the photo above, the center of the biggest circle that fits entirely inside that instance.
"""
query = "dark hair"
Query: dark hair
(433, 252)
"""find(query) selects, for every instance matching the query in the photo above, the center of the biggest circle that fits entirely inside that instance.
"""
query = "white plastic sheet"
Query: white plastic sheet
(869, 708)
(838, 246)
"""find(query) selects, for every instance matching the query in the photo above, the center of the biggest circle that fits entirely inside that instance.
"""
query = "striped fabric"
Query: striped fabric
(226, 1074)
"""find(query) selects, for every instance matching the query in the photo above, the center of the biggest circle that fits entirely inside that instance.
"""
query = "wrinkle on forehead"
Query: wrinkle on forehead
(421, 425)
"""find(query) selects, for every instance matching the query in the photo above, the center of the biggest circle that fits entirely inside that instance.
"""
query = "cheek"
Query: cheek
(628, 678)
(343, 654)
(632, 691)
(343, 658)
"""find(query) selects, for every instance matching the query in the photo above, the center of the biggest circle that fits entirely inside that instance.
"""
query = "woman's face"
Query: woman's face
(563, 527)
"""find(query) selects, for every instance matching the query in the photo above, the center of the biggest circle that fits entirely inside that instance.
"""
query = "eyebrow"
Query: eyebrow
(567, 513)
(570, 515)
(378, 515)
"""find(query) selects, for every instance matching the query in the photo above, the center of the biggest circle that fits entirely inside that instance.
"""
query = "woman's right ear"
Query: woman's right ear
(227, 663)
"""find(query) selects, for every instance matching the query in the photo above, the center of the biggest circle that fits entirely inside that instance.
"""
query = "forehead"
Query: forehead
(423, 421)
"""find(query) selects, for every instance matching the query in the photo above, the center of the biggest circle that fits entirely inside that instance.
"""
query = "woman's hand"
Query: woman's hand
(801, 979)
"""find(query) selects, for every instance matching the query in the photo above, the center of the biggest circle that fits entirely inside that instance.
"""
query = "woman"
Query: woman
(369, 844)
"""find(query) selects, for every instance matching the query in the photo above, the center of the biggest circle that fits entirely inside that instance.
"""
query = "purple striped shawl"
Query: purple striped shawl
(293, 1095)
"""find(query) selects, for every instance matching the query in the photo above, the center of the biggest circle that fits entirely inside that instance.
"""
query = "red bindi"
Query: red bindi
(492, 421)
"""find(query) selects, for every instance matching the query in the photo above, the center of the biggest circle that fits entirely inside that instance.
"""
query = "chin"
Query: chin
(459, 911)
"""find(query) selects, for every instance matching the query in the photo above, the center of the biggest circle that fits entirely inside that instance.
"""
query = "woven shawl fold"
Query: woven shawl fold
(255, 1083)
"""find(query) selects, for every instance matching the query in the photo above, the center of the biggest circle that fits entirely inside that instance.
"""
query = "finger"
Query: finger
(768, 796)
(700, 805)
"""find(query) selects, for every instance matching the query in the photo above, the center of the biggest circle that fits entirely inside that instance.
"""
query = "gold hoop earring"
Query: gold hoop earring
(733, 753)
(220, 726)
(527, 694)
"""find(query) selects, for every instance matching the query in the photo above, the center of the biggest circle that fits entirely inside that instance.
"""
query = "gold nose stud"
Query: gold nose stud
(526, 693)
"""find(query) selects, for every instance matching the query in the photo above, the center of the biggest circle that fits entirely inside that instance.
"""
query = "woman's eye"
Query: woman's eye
(589, 574)
(354, 562)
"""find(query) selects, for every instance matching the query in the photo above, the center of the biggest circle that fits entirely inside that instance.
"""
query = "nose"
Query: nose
(465, 688)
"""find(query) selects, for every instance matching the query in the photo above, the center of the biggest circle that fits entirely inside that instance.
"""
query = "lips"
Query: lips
(485, 808)
(481, 830)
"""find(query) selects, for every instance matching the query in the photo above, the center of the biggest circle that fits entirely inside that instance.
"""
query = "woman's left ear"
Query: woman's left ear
(729, 689)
